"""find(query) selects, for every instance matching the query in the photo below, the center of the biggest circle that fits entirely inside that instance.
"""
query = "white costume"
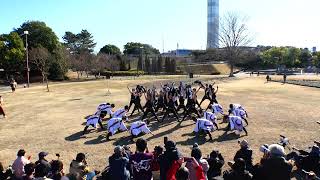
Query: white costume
(237, 106)
(115, 124)
(119, 113)
(139, 127)
(104, 107)
(203, 124)
(210, 116)
(236, 123)
(240, 113)
(217, 108)
(93, 121)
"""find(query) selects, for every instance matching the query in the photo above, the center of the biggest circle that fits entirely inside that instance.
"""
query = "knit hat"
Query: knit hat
(276, 150)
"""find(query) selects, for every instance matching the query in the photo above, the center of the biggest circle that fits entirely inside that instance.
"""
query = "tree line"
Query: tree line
(51, 59)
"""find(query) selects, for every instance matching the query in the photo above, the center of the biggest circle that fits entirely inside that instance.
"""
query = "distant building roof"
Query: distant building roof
(178, 53)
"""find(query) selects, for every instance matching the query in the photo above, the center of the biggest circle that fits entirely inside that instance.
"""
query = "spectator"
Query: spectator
(1, 108)
(119, 165)
(183, 174)
(215, 161)
(245, 153)
(19, 163)
(238, 171)
(311, 162)
(43, 161)
(13, 84)
(276, 167)
(80, 169)
(41, 172)
(158, 150)
(29, 171)
(204, 166)
(170, 161)
(141, 162)
(4, 174)
(57, 171)
(257, 169)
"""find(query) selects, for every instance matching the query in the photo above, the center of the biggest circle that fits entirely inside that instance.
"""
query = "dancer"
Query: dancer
(116, 124)
(203, 125)
(207, 93)
(120, 113)
(215, 108)
(139, 128)
(132, 97)
(211, 117)
(170, 107)
(149, 108)
(105, 108)
(240, 113)
(191, 105)
(137, 102)
(235, 123)
(237, 106)
(213, 94)
(93, 121)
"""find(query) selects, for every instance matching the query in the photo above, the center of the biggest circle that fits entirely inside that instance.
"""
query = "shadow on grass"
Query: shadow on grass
(76, 99)
(100, 139)
(164, 133)
(76, 136)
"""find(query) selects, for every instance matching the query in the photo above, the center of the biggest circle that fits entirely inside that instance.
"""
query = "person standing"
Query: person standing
(119, 164)
(13, 84)
(1, 109)
(141, 162)
(284, 78)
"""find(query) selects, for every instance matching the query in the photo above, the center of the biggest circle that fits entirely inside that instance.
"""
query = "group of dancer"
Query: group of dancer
(181, 102)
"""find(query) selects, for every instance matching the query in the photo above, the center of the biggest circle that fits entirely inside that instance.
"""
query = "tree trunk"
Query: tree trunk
(231, 70)
(78, 75)
(47, 84)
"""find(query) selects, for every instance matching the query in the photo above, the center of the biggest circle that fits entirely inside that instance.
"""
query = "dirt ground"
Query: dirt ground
(53, 121)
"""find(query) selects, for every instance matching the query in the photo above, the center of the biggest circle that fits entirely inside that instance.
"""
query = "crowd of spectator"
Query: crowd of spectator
(124, 164)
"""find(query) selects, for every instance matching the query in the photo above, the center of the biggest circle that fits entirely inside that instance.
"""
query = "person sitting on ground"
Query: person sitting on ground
(238, 171)
(245, 153)
(119, 164)
(215, 161)
(4, 174)
(41, 172)
(19, 163)
(183, 174)
(29, 171)
(79, 168)
(170, 161)
(43, 161)
(141, 161)
(57, 171)
(276, 166)
(203, 164)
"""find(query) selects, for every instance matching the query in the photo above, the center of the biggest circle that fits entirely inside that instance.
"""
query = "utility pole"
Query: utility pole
(27, 54)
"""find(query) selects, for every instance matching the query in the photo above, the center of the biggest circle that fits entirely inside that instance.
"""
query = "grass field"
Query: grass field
(41, 121)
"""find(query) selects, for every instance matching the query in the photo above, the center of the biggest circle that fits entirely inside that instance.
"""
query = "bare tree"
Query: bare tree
(233, 36)
(41, 58)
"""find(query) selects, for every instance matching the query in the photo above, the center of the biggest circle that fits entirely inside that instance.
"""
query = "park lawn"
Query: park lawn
(41, 121)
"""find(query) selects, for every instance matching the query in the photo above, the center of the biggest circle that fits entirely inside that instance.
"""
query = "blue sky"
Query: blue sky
(271, 22)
